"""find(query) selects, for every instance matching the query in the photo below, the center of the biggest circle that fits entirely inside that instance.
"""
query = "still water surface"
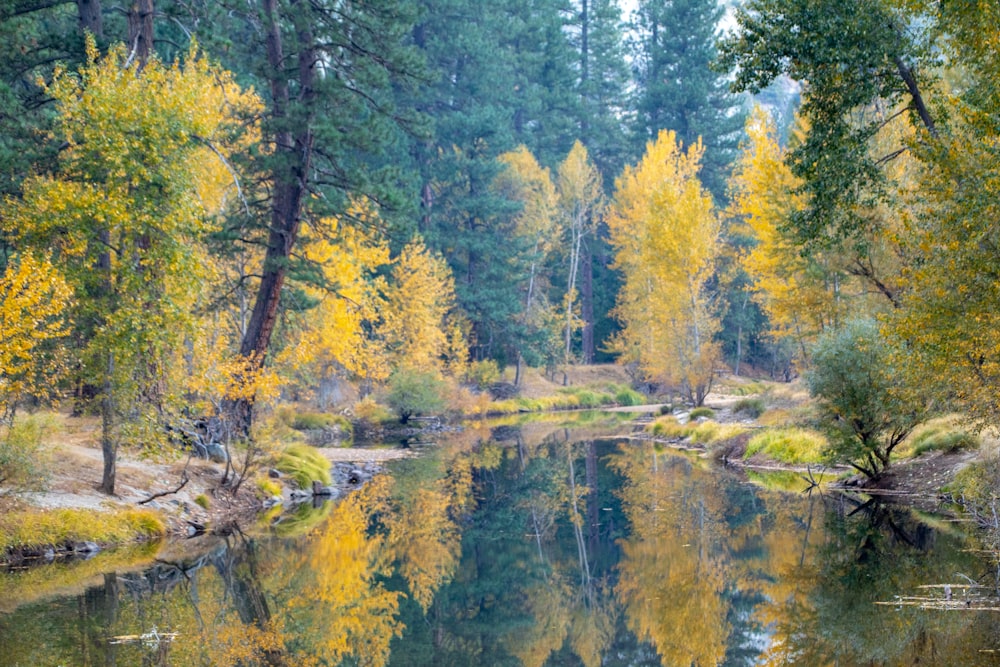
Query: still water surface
(534, 545)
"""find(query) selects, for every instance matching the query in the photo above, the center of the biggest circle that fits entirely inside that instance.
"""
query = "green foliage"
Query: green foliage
(36, 528)
(788, 445)
(202, 501)
(698, 413)
(23, 460)
(628, 396)
(750, 407)
(413, 392)
(304, 464)
(666, 409)
(861, 404)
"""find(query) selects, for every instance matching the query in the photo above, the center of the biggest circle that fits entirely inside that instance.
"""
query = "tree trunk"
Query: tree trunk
(140, 31)
(289, 183)
(89, 14)
(587, 303)
(109, 446)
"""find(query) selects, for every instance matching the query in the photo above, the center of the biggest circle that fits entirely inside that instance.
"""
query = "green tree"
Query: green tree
(677, 88)
(865, 409)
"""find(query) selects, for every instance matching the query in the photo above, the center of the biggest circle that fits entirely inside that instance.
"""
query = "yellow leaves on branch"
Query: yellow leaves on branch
(666, 238)
(33, 301)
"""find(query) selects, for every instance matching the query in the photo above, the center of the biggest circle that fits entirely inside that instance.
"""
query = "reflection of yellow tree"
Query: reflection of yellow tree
(345, 610)
(549, 604)
(428, 544)
(671, 583)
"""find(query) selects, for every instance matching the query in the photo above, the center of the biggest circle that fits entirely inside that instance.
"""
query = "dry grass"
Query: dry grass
(535, 385)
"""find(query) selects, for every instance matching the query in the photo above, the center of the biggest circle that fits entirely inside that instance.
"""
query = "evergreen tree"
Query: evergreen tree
(678, 89)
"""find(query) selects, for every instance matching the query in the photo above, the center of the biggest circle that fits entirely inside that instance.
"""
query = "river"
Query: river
(532, 544)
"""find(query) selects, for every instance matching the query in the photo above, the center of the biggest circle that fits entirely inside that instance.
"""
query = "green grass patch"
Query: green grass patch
(202, 501)
(751, 408)
(940, 435)
(788, 445)
(304, 464)
(628, 396)
(742, 388)
(38, 528)
(700, 412)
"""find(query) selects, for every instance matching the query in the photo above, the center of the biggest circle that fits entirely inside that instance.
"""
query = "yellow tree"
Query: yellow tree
(33, 300)
(665, 235)
(799, 294)
(419, 299)
(123, 210)
(581, 195)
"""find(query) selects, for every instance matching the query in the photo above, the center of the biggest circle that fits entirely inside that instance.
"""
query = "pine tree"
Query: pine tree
(677, 88)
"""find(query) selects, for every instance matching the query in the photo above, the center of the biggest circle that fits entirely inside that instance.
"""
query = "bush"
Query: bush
(371, 412)
(788, 445)
(666, 409)
(202, 501)
(23, 461)
(750, 407)
(702, 411)
(413, 392)
(304, 464)
(862, 405)
(482, 374)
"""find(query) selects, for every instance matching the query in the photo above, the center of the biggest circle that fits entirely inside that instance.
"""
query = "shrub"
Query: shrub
(304, 464)
(201, 500)
(865, 410)
(666, 409)
(749, 407)
(702, 411)
(788, 445)
(414, 392)
(482, 374)
(23, 461)
(368, 410)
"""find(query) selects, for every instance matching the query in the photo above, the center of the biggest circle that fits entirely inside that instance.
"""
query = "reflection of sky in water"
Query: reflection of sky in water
(533, 548)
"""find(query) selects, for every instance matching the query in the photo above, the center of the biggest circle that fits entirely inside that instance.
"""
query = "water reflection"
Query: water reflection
(536, 545)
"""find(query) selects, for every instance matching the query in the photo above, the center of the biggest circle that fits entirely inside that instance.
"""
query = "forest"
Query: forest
(208, 206)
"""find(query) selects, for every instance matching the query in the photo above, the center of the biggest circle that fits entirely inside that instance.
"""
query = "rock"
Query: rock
(274, 473)
(326, 491)
(300, 494)
(86, 548)
(217, 453)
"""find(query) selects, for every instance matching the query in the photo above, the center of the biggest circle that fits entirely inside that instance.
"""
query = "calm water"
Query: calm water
(529, 546)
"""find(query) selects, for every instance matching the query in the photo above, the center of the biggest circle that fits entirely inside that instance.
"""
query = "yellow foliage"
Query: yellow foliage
(666, 238)
(419, 299)
(33, 301)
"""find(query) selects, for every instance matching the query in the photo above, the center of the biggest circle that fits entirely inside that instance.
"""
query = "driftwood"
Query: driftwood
(184, 480)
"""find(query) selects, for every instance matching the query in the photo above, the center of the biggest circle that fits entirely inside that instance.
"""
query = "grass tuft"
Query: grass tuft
(304, 464)
(788, 445)
(751, 408)
(703, 411)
